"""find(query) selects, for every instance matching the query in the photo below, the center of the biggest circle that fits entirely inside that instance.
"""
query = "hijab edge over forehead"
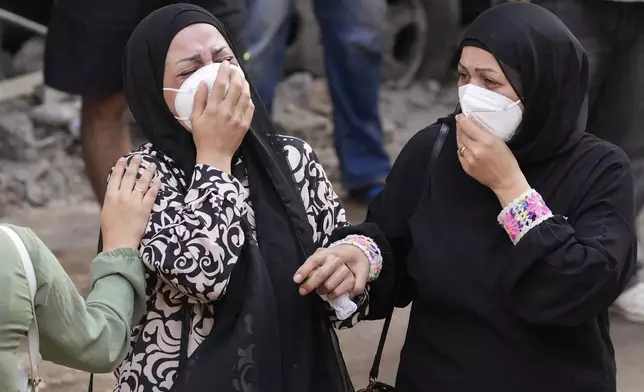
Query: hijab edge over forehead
(513, 76)
(553, 72)
(143, 73)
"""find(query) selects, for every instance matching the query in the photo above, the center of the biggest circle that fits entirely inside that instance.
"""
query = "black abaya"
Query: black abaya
(488, 315)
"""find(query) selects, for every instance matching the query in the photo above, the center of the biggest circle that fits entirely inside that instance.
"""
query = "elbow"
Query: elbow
(565, 308)
(105, 362)
(550, 296)
(108, 366)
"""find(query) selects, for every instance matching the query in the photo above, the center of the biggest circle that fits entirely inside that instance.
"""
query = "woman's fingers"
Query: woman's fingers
(199, 102)
(361, 277)
(463, 138)
(245, 100)
(321, 274)
(464, 144)
(116, 177)
(231, 101)
(344, 287)
(336, 278)
(247, 118)
(221, 82)
(327, 274)
(143, 183)
(130, 174)
(310, 265)
(467, 127)
(151, 195)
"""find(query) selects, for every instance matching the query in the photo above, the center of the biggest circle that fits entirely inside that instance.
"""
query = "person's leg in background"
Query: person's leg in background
(83, 57)
(104, 138)
(351, 35)
(267, 28)
(613, 36)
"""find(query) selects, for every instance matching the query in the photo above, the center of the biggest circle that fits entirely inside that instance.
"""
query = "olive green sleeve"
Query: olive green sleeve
(91, 335)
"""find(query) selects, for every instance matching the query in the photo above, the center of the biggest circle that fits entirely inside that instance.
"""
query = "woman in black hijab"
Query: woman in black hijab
(240, 210)
(526, 232)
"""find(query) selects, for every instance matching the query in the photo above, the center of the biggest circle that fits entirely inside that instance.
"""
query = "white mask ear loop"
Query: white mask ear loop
(515, 103)
(178, 91)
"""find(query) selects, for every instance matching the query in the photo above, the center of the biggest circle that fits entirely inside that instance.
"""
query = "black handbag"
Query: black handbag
(374, 384)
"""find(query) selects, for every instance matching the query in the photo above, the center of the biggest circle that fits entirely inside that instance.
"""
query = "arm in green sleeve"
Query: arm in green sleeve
(90, 335)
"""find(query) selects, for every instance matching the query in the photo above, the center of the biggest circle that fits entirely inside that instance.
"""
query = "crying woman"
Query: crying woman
(229, 302)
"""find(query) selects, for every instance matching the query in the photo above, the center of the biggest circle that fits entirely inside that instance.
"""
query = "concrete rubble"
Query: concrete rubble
(40, 162)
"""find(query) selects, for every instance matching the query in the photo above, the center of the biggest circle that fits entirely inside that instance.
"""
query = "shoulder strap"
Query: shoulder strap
(375, 368)
(32, 336)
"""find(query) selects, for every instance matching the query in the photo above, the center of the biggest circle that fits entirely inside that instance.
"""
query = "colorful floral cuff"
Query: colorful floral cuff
(522, 214)
(369, 248)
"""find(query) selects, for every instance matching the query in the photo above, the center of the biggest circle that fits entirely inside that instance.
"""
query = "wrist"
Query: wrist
(109, 247)
(217, 160)
(112, 240)
(506, 193)
(362, 250)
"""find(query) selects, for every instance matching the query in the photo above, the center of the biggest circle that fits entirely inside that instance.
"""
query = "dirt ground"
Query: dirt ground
(75, 247)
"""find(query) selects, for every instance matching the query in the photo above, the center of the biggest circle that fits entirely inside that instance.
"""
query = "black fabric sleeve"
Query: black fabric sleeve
(568, 270)
(387, 223)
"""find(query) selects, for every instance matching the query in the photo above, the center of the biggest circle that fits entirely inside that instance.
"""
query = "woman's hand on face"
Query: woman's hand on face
(334, 271)
(219, 123)
(127, 206)
(487, 159)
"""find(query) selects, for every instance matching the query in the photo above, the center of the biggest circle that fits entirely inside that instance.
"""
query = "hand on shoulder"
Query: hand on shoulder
(128, 203)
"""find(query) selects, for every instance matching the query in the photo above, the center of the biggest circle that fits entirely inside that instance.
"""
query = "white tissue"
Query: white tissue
(342, 305)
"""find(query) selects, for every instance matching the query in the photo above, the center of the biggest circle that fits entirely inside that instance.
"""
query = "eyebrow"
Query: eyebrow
(197, 56)
(478, 69)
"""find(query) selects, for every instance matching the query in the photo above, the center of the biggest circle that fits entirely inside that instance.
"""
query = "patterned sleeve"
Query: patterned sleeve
(325, 211)
(193, 240)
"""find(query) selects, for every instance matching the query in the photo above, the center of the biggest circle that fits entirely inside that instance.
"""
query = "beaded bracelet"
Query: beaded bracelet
(369, 248)
(522, 214)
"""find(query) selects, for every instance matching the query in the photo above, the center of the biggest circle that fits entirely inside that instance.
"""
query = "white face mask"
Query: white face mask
(496, 112)
(186, 93)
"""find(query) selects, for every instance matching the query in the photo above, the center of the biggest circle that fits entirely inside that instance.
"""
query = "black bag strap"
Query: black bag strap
(375, 368)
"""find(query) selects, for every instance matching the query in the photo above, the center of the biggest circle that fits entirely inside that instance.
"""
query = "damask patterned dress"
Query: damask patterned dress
(190, 248)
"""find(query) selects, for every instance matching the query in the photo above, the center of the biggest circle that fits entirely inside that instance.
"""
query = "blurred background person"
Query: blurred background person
(612, 32)
(351, 34)
(83, 56)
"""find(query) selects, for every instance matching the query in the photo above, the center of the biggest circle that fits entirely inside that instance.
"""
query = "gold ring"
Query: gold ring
(140, 190)
(461, 151)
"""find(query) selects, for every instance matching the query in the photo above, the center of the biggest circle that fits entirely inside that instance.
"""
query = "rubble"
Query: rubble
(30, 58)
(6, 65)
(17, 136)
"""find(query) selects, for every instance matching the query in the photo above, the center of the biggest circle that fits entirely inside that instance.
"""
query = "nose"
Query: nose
(206, 57)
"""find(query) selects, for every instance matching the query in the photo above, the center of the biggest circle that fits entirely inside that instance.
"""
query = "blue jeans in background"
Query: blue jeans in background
(351, 36)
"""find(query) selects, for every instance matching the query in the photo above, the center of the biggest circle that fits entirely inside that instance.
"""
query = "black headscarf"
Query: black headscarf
(530, 41)
(266, 336)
